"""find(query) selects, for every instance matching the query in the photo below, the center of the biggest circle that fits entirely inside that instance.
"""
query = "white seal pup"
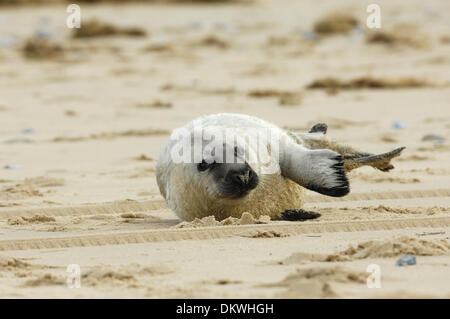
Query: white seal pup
(227, 164)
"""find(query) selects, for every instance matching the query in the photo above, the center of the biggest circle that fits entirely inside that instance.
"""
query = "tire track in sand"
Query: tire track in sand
(220, 232)
(130, 206)
(117, 207)
(380, 196)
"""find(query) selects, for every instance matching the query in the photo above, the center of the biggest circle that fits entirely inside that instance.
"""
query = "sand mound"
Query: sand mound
(29, 188)
(427, 210)
(113, 135)
(42, 49)
(246, 219)
(133, 215)
(395, 247)
(212, 41)
(393, 39)
(10, 263)
(44, 280)
(392, 248)
(284, 97)
(335, 23)
(316, 282)
(366, 83)
(266, 234)
(156, 103)
(309, 289)
(129, 275)
(96, 28)
(19, 191)
(45, 181)
(108, 276)
(336, 273)
(413, 158)
(372, 178)
(143, 157)
(33, 220)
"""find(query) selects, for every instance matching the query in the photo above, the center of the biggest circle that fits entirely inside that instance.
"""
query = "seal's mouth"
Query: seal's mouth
(239, 185)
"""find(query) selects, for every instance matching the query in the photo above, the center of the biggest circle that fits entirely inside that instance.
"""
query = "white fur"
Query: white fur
(191, 193)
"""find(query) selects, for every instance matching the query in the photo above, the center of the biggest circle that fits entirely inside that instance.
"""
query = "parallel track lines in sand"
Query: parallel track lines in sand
(130, 206)
(88, 209)
(381, 196)
(220, 232)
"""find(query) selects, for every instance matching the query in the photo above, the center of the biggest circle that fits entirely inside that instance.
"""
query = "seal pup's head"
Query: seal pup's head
(225, 176)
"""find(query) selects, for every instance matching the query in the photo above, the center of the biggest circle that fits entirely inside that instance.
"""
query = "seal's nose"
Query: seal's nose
(243, 178)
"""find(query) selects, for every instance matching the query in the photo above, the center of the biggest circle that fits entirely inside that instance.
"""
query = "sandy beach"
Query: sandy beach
(83, 117)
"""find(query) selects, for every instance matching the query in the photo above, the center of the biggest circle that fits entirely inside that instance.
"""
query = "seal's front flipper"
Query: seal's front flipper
(380, 161)
(297, 215)
(321, 171)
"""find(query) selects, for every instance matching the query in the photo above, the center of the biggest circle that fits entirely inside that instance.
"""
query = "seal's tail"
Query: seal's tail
(380, 161)
(315, 139)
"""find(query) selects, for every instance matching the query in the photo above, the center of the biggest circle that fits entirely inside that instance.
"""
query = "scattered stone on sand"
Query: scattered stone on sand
(407, 260)
(436, 139)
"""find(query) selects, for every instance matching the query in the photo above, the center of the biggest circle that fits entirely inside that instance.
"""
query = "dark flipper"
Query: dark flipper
(297, 215)
(319, 127)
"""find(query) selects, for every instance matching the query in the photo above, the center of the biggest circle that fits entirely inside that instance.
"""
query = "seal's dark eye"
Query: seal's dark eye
(238, 151)
(203, 166)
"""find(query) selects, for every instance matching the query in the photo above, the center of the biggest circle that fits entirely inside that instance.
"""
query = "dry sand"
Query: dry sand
(82, 120)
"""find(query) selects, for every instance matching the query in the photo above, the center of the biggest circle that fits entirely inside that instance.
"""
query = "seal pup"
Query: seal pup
(222, 165)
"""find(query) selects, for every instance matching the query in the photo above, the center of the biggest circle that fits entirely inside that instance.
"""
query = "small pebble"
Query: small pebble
(12, 166)
(18, 140)
(406, 260)
(434, 138)
(399, 125)
(27, 130)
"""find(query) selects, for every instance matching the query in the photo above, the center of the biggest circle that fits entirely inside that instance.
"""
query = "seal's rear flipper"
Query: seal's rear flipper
(380, 161)
(319, 127)
(321, 171)
(297, 215)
